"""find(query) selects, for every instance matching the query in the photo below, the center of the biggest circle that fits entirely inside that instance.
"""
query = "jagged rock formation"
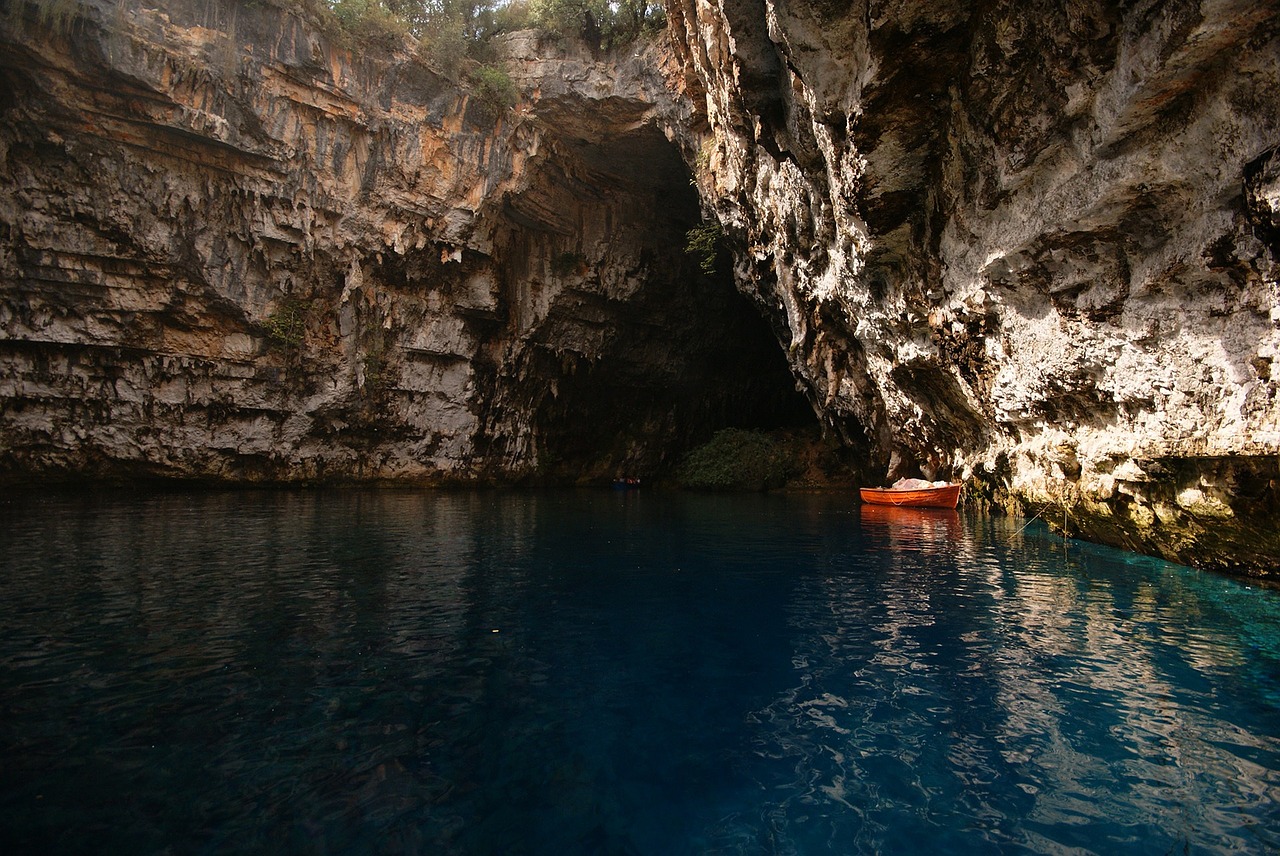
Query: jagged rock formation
(235, 249)
(1034, 248)
(1030, 246)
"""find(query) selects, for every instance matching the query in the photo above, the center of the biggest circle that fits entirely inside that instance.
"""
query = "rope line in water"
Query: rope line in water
(1032, 520)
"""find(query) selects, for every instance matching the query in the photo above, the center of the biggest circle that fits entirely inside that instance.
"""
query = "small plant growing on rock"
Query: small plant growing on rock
(702, 162)
(565, 264)
(287, 325)
(376, 373)
(703, 243)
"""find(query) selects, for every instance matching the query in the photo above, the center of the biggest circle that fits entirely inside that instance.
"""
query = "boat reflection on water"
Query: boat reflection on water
(914, 528)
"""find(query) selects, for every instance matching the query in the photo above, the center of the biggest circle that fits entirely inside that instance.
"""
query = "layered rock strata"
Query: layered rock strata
(1030, 247)
(232, 248)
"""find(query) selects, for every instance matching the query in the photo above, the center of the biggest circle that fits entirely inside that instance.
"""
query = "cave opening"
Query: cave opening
(638, 353)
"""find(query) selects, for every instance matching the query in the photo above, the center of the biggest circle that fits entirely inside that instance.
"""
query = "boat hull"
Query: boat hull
(931, 497)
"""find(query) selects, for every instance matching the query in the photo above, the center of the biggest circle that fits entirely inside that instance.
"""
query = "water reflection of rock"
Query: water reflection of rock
(1074, 640)
(1051, 690)
(174, 612)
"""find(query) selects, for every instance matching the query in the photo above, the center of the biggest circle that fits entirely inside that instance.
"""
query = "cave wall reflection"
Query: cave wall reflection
(1040, 687)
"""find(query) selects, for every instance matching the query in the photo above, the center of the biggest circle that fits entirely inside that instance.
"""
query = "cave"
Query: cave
(640, 354)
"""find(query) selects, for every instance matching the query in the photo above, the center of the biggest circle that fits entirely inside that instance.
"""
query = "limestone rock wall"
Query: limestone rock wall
(1030, 246)
(232, 248)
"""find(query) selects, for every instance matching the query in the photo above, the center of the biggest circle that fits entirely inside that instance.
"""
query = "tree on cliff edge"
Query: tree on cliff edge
(452, 29)
(598, 23)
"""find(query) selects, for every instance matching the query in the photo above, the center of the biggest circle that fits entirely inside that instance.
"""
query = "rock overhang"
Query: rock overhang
(997, 231)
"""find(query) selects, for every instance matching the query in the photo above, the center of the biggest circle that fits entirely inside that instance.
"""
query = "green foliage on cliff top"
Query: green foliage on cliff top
(735, 459)
(372, 22)
(598, 23)
(442, 26)
(494, 87)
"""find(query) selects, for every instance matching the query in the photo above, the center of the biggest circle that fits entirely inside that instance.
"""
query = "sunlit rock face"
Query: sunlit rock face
(233, 249)
(1034, 246)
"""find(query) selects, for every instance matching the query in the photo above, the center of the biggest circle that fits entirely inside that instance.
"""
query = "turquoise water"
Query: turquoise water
(625, 672)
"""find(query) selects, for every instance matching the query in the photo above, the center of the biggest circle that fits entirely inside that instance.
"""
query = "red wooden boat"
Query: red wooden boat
(943, 496)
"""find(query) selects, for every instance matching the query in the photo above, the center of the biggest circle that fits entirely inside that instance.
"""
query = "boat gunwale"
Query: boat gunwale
(947, 496)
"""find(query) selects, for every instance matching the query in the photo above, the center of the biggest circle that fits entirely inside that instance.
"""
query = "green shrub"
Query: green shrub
(703, 160)
(735, 459)
(371, 22)
(495, 88)
(287, 325)
(377, 373)
(449, 30)
(704, 243)
(509, 17)
(444, 47)
(599, 23)
(565, 264)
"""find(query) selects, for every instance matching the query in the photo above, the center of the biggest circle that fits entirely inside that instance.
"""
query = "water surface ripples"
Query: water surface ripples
(616, 672)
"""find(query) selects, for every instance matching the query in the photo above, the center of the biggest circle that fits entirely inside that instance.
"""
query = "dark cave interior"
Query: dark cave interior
(642, 354)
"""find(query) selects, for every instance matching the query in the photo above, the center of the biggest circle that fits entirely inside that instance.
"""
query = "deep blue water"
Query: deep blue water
(358, 671)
